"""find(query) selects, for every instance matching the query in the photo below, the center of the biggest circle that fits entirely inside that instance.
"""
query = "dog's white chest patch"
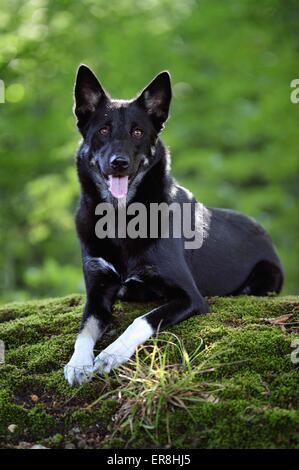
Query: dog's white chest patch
(124, 347)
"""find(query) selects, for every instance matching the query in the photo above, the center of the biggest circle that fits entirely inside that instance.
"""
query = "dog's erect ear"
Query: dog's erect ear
(155, 99)
(89, 93)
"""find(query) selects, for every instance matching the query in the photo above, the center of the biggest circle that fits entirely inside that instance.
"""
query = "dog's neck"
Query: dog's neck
(155, 183)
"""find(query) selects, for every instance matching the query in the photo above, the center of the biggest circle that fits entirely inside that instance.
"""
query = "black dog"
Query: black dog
(121, 156)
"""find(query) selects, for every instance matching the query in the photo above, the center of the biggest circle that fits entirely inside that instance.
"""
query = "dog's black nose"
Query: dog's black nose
(119, 163)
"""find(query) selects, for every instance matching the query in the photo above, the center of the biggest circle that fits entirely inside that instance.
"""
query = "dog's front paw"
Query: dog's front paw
(124, 347)
(79, 369)
(111, 357)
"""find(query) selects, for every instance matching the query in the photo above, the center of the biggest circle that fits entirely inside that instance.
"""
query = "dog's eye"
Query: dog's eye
(104, 131)
(137, 133)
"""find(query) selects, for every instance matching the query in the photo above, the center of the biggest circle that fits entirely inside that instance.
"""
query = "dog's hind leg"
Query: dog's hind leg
(136, 291)
(102, 284)
(265, 278)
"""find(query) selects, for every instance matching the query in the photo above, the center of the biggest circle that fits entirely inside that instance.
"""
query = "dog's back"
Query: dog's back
(237, 256)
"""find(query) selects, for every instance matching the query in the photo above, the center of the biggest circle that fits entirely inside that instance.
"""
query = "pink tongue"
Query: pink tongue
(118, 185)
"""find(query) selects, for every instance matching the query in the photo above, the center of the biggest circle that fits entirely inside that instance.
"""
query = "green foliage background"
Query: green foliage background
(233, 132)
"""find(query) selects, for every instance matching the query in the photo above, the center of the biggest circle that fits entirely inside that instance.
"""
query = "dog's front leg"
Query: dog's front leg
(102, 283)
(184, 304)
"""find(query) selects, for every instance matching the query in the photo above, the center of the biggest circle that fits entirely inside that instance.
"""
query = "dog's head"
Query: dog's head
(119, 136)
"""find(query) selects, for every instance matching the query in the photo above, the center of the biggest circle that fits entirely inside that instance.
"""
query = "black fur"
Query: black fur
(237, 256)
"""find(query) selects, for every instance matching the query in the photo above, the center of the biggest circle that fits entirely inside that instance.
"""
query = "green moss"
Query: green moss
(100, 416)
(246, 354)
(284, 389)
(50, 307)
(262, 350)
(229, 424)
(40, 422)
(236, 424)
(56, 440)
(11, 413)
(245, 385)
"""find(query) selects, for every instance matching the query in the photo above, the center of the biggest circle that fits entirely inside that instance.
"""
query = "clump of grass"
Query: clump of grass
(162, 377)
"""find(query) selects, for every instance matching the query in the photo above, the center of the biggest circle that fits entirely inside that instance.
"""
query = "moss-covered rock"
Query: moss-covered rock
(245, 358)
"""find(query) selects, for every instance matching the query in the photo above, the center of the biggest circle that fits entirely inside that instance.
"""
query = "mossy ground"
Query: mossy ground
(248, 355)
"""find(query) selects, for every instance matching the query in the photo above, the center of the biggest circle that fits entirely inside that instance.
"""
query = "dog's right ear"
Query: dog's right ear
(155, 99)
(89, 93)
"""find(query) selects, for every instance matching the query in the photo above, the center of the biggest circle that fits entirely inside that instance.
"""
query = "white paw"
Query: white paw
(124, 347)
(112, 357)
(79, 369)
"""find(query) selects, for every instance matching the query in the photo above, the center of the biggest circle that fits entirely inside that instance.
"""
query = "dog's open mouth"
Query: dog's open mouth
(118, 185)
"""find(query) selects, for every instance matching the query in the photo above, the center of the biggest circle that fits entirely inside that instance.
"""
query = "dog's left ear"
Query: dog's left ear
(155, 99)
